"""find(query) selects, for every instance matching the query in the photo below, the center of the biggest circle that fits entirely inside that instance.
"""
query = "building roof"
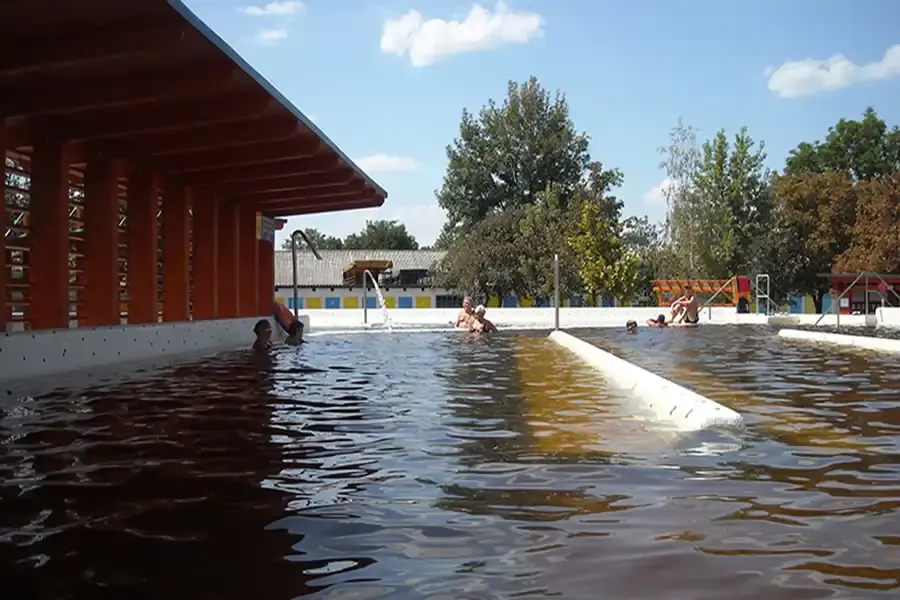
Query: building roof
(148, 82)
(329, 272)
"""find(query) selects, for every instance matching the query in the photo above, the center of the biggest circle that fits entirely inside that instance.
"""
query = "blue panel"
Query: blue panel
(607, 302)
(371, 302)
(510, 302)
(405, 302)
(576, 301)
(826, 303)
(333, 302)
(543, 302)
(290, 303)
(796, 304)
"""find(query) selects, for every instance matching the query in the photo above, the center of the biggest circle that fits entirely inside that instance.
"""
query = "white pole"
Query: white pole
(556, 291)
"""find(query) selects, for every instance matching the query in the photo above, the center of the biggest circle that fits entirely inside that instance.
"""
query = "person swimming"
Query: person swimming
(479, 323)
(295, 334)
(659, 321)
(263, 332)
(631, 326)
(465, 316)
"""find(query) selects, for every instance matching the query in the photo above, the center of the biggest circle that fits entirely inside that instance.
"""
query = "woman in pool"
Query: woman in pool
(263, 332)
(479, 323)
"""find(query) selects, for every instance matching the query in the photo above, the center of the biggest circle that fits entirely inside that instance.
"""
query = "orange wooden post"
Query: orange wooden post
(5, 315)
(249, 263)
(266, 282)
(143, 246)
(206, 264)
(49, 233)
(176, 231)
(101, 241)
(228, 253)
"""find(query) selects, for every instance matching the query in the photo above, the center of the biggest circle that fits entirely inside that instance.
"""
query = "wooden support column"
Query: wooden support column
(49, 236)
(5, 315)
(249, 265)
(228, 250)
(266, 283)
(206, 257)
(143, 246)
(176, 231)
(101, 242)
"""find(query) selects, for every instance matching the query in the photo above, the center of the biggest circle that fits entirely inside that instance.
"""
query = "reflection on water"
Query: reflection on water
(444, 466)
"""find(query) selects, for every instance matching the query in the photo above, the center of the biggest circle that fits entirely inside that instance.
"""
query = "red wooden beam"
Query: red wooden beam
(245, 155)
(57, 51)
(354, 186)
(340, 176)
(87, 95)
(205, 137)
(123, 122)
(298, 166)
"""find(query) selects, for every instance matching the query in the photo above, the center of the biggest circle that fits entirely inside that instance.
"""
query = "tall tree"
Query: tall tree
(319, 240)
(817, 213)
(644, 239)
(875, 247)
(382, 235)
(684, 208)
(508, 154)
(864, 148)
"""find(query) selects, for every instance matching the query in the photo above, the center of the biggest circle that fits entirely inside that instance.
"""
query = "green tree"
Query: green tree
(604, 262)
(319, 240)
(644, 239)
(866, 149)
(508, 154)
(382, 235)
(685, 212)
(817, 215)
(487, 263)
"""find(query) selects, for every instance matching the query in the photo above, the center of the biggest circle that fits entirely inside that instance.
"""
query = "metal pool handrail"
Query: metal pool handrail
(837, 301)
(718, 291)
(299, 233)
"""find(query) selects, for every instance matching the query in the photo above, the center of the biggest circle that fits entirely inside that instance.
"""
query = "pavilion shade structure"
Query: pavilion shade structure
(111, 111)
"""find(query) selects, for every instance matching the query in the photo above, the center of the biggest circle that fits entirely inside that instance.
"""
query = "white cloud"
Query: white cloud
(810, 76)
(272, 9)
(656, 196)
(429, 41)
(271, 36)
(385, 163)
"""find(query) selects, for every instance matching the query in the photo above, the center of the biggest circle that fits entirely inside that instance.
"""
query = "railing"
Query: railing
(835, 302)
(299, 233)
(708, 303)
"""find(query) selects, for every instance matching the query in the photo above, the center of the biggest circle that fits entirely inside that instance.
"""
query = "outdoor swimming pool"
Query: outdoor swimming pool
(434, 465)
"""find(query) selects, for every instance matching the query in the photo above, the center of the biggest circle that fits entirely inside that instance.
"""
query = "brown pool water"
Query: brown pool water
(439, 466)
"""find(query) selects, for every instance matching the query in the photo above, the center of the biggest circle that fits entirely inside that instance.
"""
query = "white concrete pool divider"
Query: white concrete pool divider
(669, 402)
(839, 339)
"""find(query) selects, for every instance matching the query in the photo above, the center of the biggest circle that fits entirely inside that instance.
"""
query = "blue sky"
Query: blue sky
(388, 86)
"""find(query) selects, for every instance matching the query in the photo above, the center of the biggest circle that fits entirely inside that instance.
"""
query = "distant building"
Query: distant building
(404, 276)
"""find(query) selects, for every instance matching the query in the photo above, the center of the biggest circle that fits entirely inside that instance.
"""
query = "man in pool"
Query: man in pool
(686, 308)
(263, 332)
(631, 326)
(479, 323)
(465, 316)
(295, 334)
(659, 321)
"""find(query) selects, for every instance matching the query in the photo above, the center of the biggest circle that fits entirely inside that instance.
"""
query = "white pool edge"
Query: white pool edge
(670, 402)
(838, 339)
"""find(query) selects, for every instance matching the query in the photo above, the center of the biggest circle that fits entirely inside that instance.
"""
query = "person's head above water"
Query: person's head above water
(661, 319)
(467, 303)
(631, 326)
(479, 311)
(296, 329)
(263, 330)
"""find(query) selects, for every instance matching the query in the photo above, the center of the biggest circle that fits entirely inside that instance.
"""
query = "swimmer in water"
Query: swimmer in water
(465, 316)
(295, 334)
(479, 323)
(263, 332)
(631, 326)
(659, 321)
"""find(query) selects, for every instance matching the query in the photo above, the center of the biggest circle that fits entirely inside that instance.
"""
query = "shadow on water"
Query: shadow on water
(448, 466)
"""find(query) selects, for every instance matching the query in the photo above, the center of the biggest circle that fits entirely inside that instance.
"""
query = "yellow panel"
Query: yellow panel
(351, 302)
(526, 302)
(423, 301)
(390, 302)
(494, 302)
(312, 303)
(279, 300)
(808, 305)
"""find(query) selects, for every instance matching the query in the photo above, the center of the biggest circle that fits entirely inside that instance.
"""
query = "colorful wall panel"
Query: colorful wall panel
(405, 302)
(332, 302)
(372, 302)
(423, 301)
(351, 301)
(390, 302)
(494, 302)
(313, 302)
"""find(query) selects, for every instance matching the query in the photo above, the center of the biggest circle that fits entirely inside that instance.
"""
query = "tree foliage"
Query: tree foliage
(875, 246)
(319, 240)
(376, 235)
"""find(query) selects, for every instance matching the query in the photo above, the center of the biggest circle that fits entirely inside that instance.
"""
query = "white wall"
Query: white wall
(887, 317)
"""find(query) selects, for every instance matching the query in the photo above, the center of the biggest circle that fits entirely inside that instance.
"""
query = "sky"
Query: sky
(387, 80)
